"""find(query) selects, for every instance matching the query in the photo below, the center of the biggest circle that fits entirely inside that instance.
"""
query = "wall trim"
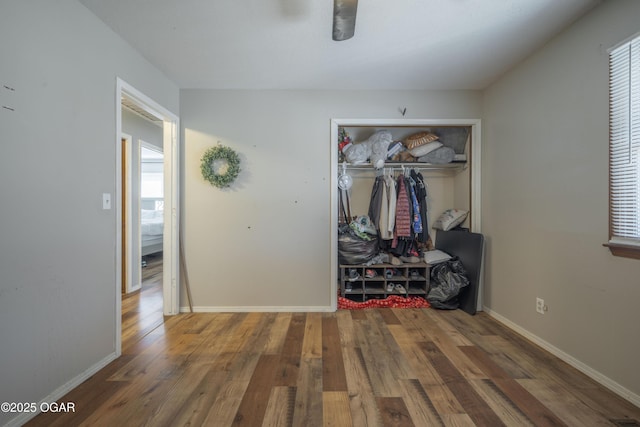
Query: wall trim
(580, 366)
(63, 390)
(261, 309)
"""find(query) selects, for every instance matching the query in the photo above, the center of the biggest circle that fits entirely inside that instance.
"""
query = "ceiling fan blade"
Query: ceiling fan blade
(344, 19)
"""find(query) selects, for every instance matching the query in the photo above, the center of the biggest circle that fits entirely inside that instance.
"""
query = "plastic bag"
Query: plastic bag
(379, 144)
(447, 279)
(354, 250)
(357, 153)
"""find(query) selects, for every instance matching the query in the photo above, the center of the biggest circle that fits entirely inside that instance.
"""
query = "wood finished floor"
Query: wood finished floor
(379, 367)
(142, 310)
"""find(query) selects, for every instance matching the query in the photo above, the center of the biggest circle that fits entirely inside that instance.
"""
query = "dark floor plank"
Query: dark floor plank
(388, 315)
(287, 370)
(333, 375)
(394, 412)
(358, 314)
(254, 402)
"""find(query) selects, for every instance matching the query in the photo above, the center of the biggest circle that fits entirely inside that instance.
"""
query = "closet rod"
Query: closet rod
(408, 165)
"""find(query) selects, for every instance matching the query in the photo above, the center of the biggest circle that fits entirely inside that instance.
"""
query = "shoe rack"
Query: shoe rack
(361, 283)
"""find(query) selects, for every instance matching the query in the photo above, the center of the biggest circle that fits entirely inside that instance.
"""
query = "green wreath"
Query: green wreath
(220, 159)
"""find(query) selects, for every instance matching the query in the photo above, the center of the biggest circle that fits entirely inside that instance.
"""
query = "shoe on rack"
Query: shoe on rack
(400, 288)
(390, 287)
(396, 261)
(390, 272)
(369, 273)
(353, 275)
(414, 275)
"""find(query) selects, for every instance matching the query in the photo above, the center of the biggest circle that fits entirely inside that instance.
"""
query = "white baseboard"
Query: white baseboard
(585, 369)
(262, 309)
(62, 390)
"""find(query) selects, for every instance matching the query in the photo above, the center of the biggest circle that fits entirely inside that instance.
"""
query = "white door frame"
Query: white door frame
(170, 137)
(133, 283)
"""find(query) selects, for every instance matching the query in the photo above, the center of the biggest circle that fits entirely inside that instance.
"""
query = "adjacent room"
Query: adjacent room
(179, 181)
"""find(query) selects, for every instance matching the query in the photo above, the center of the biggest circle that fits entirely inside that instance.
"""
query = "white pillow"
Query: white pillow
(423, 149)
(450, 218)
(435, 256)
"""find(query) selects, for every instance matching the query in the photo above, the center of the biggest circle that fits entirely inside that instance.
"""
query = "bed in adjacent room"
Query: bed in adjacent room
(151, 230)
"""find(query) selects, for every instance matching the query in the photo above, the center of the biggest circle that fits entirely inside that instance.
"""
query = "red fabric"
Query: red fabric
(393, 301)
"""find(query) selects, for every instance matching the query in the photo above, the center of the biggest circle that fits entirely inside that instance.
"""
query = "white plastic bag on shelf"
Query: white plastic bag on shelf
(374, 148)
(380, 142)
(357, 153)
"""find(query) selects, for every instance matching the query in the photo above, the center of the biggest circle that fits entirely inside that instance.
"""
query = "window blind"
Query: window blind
(624, 142)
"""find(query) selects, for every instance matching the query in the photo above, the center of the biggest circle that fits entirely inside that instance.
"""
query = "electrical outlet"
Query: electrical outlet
(540, 307)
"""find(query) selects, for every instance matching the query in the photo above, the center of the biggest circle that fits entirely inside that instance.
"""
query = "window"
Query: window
(624, 149)
(152, 180)
(151, 177)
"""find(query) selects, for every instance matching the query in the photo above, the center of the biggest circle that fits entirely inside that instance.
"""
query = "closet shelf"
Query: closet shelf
(456, 166)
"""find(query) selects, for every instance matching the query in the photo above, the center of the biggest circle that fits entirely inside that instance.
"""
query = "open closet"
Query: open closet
(451, 181)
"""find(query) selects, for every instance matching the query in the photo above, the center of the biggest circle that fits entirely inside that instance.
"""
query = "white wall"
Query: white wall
(57, 245)
(264, 243)
(545, 200)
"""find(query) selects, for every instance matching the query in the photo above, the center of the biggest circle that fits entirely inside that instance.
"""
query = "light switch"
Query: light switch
(106, 201)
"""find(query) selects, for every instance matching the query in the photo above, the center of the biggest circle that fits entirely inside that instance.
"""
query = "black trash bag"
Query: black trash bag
(447, 279)
(352, 249)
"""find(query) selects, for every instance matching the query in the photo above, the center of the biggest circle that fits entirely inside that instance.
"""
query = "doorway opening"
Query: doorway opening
(151, 203)
(130, 251)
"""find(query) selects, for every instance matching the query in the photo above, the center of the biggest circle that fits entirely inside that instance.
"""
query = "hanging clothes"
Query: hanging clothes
(382, 207)
(376, 200)
(421, 194)
(387, 212)
(383, 223)
(416, 219)
(392, 196)
(342, 212)
(403, 210)
(402, 236)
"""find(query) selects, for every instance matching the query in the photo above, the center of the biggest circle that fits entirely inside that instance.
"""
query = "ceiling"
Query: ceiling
(287, 44)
